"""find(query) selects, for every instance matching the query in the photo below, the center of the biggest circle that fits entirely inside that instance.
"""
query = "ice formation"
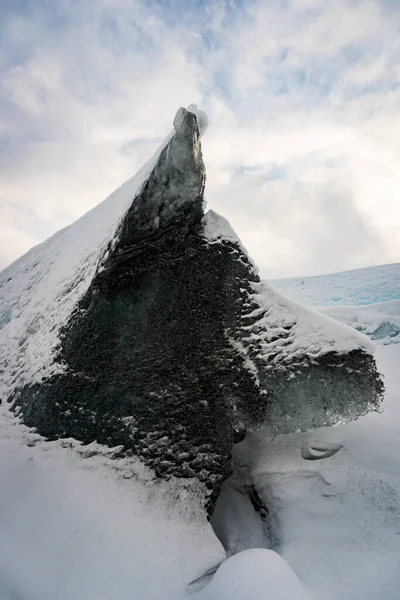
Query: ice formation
(145, 326)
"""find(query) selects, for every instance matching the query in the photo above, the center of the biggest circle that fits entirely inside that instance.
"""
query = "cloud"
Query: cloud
(303, 99)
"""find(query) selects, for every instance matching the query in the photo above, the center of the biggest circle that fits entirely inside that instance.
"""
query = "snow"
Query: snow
(367, 300)
(311, 333)
(343, 514)
(39, 291)
(379, 321)
(337, 519)
(359, 287)
(258, 574)
(218, 230)
(76, 522)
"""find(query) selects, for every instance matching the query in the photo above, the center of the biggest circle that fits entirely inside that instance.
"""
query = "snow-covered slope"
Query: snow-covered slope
(379, 321)
(78, 523)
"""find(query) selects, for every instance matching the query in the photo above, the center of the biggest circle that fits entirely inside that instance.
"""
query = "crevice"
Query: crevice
(244, 517)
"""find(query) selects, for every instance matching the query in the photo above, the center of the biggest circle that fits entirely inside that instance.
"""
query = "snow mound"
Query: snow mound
(256, 574)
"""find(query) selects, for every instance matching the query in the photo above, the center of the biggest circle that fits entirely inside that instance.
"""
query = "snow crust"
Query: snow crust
(218, 230)
(311, 333)
(76, 522)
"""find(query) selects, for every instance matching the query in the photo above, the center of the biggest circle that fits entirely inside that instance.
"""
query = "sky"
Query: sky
(303, 97)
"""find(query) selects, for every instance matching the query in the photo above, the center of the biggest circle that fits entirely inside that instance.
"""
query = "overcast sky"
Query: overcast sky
(303, 97)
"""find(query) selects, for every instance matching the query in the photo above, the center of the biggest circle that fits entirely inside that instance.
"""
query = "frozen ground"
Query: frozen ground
(78, 524)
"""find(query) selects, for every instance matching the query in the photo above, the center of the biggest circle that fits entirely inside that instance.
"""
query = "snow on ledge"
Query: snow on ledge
(311, 333)
(217, 230)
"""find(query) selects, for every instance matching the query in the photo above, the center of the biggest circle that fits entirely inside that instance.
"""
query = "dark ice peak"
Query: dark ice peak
(171, 199)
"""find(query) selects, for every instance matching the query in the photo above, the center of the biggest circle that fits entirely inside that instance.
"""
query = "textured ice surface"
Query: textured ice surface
(310, 333)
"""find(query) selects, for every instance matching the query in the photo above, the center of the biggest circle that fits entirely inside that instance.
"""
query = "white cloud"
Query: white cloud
(303, 98)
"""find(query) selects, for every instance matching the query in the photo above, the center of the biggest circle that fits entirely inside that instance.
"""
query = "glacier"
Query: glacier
(367, 286)
(367, 299)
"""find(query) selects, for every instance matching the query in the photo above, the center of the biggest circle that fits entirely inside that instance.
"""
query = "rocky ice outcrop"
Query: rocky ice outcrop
(145, 325)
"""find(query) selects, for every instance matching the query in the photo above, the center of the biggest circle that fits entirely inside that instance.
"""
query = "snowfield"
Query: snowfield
(360, 287)
(79, 524)
(366, 299)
